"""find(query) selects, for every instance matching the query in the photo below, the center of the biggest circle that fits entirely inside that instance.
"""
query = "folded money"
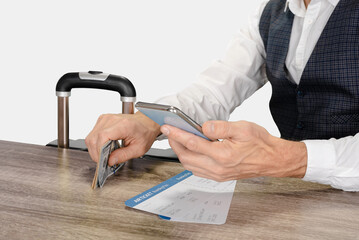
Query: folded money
(103, 171)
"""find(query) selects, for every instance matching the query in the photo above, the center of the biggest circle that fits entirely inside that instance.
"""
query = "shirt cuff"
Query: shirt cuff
(320, 161)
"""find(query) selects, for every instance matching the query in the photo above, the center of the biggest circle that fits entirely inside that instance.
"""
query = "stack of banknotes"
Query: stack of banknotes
(103, 171)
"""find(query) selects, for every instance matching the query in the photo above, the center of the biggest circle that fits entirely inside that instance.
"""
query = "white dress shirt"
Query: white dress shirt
(228, 82)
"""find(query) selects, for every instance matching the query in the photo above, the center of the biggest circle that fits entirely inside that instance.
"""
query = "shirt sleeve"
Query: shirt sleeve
(226, 83)
(334, 162)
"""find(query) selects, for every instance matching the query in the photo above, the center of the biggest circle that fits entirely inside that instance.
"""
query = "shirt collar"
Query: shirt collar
(298, 7)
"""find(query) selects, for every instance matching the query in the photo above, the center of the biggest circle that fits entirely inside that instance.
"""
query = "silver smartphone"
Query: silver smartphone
(165, 114)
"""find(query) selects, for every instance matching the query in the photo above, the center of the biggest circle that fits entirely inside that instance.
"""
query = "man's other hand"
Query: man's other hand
(138, 132)
(247, 150)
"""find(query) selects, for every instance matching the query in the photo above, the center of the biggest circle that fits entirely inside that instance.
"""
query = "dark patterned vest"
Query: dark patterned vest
(326, 102)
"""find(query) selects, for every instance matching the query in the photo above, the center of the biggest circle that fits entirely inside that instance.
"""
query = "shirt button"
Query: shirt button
(300, 125)
(310, 21)
(300, 93)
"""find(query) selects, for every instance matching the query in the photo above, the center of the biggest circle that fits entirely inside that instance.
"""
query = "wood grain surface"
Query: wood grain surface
(45, 193)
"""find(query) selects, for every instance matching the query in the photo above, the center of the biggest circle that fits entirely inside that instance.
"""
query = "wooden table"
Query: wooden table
(45, 193)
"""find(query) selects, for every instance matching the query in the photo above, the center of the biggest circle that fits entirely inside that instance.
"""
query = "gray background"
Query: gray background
(160, 45)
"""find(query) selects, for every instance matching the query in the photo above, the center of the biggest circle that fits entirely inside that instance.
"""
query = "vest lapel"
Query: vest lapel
(278, 44)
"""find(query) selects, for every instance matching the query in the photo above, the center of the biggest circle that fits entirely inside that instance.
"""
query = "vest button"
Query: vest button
(300, 125)
(300, 93)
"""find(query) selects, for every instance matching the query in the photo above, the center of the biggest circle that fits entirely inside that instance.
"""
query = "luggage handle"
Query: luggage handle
(91, 79)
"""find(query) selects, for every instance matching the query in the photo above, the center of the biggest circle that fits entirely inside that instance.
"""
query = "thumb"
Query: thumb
(123, 154)
(218, 129)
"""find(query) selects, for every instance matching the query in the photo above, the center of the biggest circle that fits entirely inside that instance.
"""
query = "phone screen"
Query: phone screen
(162, 117)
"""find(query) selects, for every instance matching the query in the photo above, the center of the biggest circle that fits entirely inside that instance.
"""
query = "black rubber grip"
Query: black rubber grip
(113, 82)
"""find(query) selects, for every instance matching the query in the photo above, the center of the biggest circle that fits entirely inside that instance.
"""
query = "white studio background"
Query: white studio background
(160, 45)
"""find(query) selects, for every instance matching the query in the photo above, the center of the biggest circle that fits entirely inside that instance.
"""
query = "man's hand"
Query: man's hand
(247, 150)
(138, 132)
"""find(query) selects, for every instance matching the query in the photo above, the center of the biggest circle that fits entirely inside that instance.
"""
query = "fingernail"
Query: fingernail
(165, 131)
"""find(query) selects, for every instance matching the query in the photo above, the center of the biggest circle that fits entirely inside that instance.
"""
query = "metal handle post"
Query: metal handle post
(127, 107)
(63, 122)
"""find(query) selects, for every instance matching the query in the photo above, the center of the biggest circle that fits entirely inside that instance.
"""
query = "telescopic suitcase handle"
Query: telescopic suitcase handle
(91, 79)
